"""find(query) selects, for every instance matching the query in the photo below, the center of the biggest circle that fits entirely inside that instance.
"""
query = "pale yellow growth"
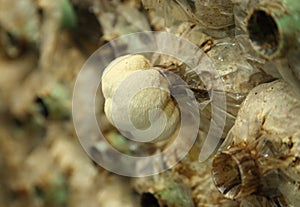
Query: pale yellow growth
(145, 103)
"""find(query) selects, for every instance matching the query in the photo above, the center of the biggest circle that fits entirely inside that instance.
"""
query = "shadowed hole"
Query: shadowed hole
(263, 32)
(148, 200)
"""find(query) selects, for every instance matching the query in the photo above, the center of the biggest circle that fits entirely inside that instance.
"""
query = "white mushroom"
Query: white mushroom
(135, 97)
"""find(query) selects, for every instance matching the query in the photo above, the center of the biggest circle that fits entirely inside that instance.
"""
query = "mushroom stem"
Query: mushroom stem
(235, 173)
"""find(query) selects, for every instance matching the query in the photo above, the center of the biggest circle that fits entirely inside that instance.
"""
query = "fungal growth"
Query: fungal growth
(262, 158)
(145, 110)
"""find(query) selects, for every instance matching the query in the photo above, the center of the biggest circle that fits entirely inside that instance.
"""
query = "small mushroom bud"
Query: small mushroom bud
(138, 101)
